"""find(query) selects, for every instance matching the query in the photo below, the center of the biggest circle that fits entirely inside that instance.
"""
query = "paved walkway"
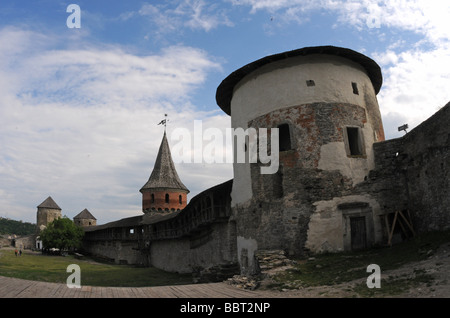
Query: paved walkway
(20, 288)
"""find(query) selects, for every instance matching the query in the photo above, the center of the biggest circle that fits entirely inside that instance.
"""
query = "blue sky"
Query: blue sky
(79, 108)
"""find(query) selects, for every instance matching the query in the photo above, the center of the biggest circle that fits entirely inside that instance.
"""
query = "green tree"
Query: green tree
(62, 234)
(8, 226)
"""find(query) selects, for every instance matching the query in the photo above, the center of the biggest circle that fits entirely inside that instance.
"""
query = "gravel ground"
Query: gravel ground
(437, 266)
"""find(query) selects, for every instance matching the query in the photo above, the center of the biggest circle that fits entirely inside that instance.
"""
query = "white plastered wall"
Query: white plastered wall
(333, 156)
(326, 232)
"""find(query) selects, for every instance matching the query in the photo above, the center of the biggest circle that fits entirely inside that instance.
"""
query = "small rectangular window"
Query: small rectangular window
(310, 83)
(354, 141)
(355, 88)
(284, 136)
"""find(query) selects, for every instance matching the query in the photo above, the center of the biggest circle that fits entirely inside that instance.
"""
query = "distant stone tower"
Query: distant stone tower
(323, 102)
(47, 211)
(164, 191)
(85, 218)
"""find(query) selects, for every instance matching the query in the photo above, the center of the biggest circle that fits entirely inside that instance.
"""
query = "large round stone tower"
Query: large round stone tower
(323, 102)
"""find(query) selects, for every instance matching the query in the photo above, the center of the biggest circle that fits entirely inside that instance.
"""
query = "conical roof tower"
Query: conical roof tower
(47, 211)
(49, 203)
(164, 191)
(85, 218)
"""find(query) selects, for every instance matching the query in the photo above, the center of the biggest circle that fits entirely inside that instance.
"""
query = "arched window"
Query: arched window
(284, 136)
(167, 198)
(180, 198)
(153, 198)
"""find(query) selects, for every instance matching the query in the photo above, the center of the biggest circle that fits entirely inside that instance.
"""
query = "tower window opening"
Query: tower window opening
(284, 137)
(355, 88)
(153, 198)
(167, 198)
(354, 141)
(310, 83)
(180, 199)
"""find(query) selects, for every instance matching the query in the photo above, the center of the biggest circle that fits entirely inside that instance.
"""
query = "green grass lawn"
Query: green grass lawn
(49, 268)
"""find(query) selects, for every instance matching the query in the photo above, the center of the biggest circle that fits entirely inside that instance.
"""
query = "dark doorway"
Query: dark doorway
(284, 136)
(358, 233)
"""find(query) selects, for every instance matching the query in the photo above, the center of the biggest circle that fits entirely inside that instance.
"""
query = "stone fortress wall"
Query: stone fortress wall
(413, 172)
(337, 188)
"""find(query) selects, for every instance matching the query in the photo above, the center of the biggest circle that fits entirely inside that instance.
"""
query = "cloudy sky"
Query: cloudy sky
(80, 107)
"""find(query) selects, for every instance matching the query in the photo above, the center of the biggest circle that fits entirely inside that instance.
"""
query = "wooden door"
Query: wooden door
(358, 232)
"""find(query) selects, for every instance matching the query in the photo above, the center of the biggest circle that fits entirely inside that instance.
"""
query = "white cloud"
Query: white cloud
(81, 125)
(192, 14)
(415, 86)
(202, 15)
(94, 75)
(416, 80)
(423, 16)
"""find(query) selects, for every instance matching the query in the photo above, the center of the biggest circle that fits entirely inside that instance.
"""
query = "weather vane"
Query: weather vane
(164, 122)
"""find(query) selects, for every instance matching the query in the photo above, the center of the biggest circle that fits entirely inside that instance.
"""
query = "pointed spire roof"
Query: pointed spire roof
(164, 174)
(85, 214)
(49, 204)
